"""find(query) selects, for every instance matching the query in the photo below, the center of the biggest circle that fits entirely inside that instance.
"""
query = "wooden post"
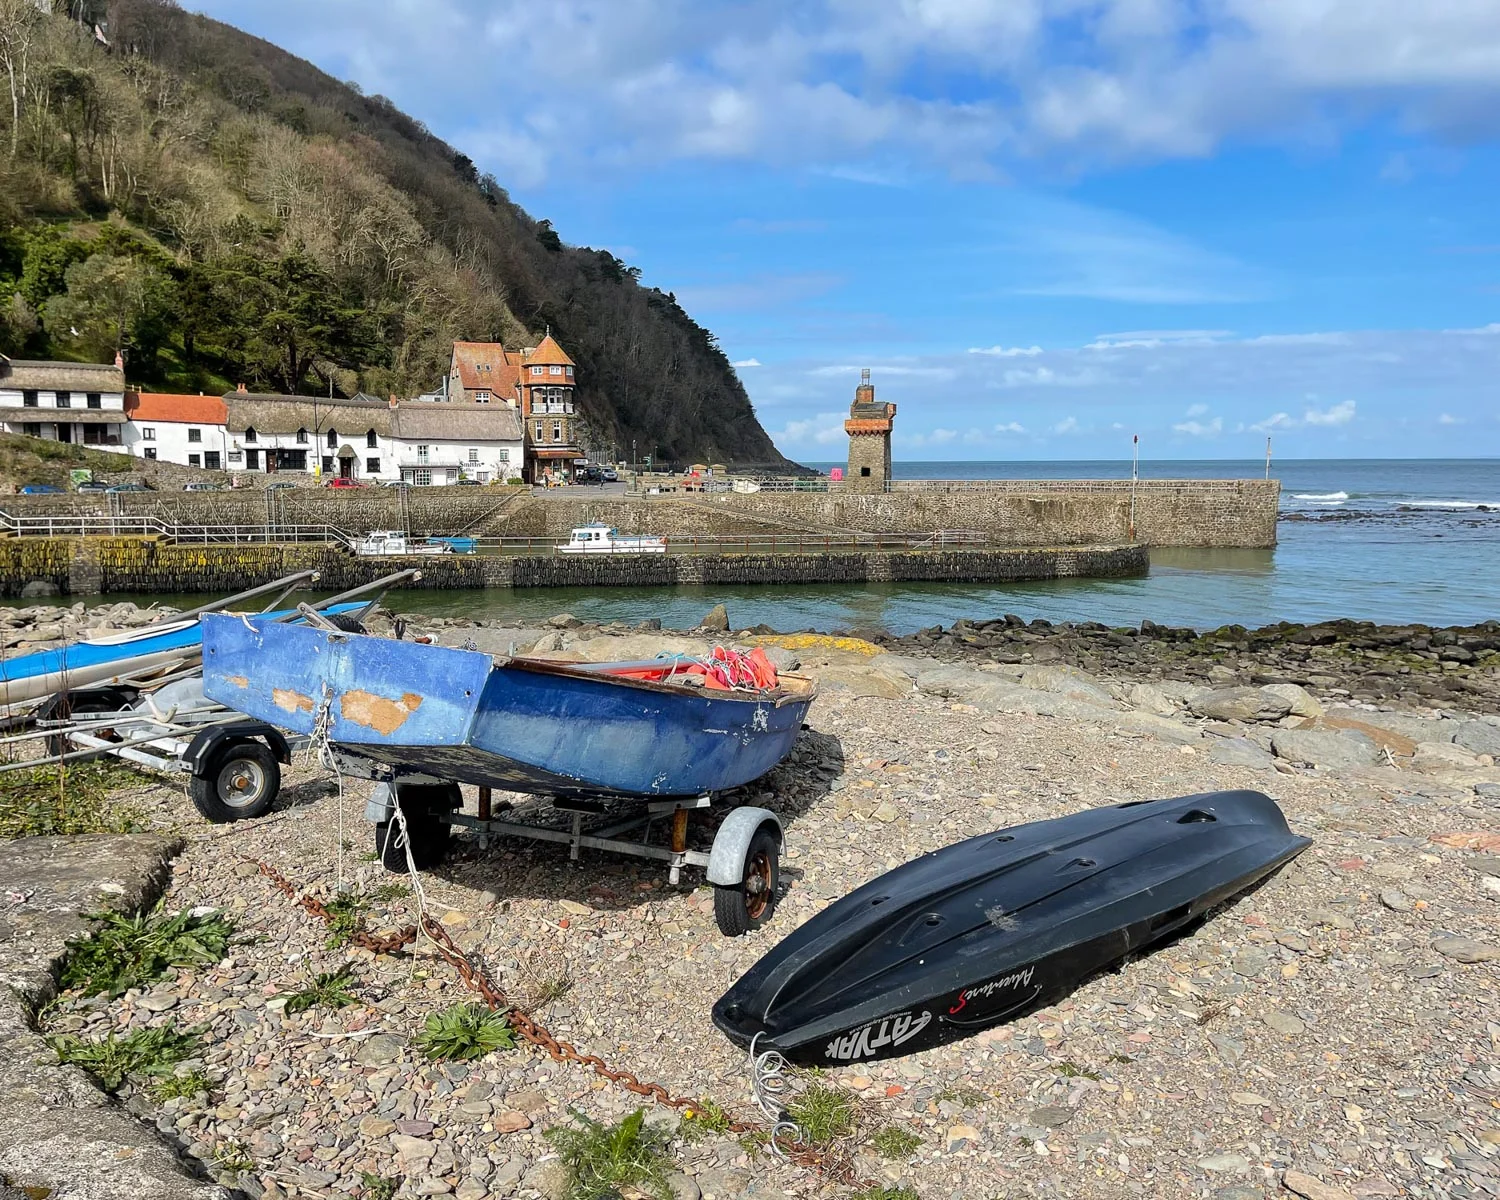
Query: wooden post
(484, 803)
(679, 830)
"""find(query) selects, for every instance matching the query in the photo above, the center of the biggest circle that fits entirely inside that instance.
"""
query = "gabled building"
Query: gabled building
(547, 407)
(188, 430)
(483, 373)
(83, 403)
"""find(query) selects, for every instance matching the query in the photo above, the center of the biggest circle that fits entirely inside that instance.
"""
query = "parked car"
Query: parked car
(202, 487)
(590, 474)
(122, 487)
(397, 483)
(611, 475)
(279, 487)
(40, 489)
(468, 483)
(93, 487)
(340, 482)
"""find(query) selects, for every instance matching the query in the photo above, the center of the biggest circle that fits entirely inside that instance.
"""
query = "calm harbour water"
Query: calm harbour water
(1381, 540)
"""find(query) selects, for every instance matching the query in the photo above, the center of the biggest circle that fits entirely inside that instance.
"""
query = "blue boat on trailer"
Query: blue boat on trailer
(422, 718)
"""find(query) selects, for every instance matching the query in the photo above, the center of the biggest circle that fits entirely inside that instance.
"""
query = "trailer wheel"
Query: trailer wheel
(81, 704)
(747, 905)
(347, 623)
(241, 780)
(425, 806)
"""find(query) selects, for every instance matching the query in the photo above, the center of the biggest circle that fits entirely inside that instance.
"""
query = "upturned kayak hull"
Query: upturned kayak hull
(990, 928)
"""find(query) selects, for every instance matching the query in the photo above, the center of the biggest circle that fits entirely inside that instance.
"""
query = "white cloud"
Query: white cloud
(824, 84)
(1276, 421)
(1010, 427)
(741, 364)
(1007, 352)
(1340, 414)
(1196, 410)
(825, 429)
(1152, 339)
(1066, 425)
(1450, 419)
(1201, 429)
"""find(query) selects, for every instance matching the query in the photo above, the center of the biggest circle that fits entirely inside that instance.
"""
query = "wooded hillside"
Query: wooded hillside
(226, 212)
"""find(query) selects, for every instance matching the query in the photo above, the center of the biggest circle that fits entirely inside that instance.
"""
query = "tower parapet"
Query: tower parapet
(869, 429)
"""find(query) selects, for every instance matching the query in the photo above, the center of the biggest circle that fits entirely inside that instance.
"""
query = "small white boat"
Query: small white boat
(390, 541)
(599, 538)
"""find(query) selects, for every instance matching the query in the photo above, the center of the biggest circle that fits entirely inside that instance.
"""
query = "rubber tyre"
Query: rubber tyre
(424, 804)
(80, 704)
(739, 908)
(347, 623)
(242, 781)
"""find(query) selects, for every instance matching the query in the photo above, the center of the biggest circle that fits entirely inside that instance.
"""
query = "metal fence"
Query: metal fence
(750, 543)
(93, 525)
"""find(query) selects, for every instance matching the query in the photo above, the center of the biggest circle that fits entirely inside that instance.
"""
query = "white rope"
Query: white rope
(320, 751)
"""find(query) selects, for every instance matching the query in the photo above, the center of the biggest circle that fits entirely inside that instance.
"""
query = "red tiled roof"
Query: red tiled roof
(548, 354)
(483, 365)
(165, 406)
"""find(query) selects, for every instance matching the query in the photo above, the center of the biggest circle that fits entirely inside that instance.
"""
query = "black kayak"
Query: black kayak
(989, 928)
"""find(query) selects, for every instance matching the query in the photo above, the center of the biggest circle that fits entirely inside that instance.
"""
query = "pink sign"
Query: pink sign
(836, 473)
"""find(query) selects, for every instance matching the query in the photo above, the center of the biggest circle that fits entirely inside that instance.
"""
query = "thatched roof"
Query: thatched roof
(454, 422)
(317, 414)
(24, 374)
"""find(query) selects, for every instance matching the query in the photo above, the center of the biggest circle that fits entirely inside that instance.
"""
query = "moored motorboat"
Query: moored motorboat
(605, 539)
(992, 927)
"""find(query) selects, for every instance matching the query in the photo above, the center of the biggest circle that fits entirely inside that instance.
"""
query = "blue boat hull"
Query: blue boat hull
(522, 725)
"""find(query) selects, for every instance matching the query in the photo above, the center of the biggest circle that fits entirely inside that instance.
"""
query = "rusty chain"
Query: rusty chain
(836, 1167)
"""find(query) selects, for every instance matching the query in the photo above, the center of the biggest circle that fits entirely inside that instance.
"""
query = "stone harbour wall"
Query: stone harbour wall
(84, 566)
(1205, 513)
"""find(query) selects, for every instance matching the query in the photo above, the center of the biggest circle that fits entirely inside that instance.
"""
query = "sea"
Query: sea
(1387, 540)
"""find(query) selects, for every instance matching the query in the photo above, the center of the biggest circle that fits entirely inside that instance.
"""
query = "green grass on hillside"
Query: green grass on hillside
(25, 460)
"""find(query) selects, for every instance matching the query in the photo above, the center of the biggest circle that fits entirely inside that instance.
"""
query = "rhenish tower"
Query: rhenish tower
(869, 430)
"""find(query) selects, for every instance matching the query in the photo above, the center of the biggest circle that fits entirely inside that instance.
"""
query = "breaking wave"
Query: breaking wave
(1321, 496)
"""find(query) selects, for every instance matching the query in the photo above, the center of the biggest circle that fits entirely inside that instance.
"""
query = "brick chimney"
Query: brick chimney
(119, 360)
(242, 389)
(865, 392)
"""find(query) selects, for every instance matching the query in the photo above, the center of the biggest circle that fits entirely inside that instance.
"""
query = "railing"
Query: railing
(146, 526)
(1060, 485)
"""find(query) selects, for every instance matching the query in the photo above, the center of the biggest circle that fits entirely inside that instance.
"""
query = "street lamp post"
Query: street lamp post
(633, 469)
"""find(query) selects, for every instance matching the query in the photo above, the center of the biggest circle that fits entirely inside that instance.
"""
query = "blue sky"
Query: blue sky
(1046, 225)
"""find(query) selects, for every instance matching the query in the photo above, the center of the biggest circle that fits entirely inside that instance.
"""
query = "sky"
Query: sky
(1046, 226)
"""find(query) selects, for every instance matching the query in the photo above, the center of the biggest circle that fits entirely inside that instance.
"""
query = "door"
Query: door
(64, 432)
(346, 468)
(211, 459)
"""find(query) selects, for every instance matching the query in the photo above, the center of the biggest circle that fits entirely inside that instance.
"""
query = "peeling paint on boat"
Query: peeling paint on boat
(237, 680)
(377, 712)
(288, 700)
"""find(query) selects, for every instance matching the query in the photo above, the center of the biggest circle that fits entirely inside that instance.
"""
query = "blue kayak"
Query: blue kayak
(131, 654)
(525, 725)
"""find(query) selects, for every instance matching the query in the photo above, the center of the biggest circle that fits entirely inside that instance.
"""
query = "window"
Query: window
(865, 471)
(481, 397)
(536, 370)
(301, 437)
(371, 442)
(451, 475)
(28, 398)
(92, 400)
(195, 435)
(195, 460)
(569, 371)
(557, 431)
(554, 370)
(333, 438)
(250, 435)
(422, 477)
(422, 456)
(149, 452)
(32, 429)
(538, 431)
(503, 456)
(473, 454)
(327, 464)
(64, 399)
(93, 435)
(372, 466)
(236, 457)
(148, 433)
(211, 459)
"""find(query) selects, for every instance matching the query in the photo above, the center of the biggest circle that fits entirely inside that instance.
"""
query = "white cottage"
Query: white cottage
(446, 443)
(83, 403)
(183, 429)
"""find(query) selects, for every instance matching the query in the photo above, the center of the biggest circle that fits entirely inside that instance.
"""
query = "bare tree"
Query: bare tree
(20, 21)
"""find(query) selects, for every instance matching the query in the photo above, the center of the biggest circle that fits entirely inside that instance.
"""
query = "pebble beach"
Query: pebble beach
(1334, 1033)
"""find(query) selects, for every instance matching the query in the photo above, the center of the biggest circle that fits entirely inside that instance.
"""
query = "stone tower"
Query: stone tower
(869, 430)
